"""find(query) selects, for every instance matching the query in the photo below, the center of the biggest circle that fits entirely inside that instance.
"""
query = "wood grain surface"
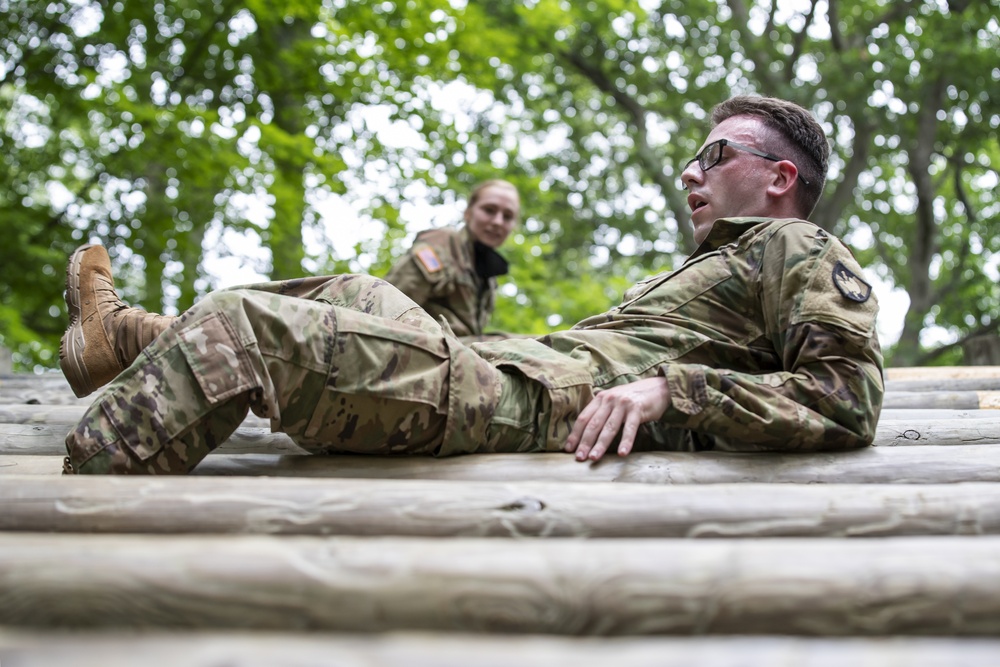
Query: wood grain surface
(206, 505)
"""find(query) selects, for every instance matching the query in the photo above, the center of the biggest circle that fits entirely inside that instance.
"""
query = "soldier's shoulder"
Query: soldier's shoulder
(438, 236)
(795, 226)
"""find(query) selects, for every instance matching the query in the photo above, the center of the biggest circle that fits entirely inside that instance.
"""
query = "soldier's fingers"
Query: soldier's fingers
(629, 430)
(576, 435)
(609, 431)
(592, 430)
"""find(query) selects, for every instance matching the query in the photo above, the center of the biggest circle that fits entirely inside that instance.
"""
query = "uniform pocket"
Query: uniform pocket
(217, 360)
(166, 395)
(681, 287)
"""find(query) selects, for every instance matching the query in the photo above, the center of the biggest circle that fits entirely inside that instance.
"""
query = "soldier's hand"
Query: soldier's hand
(619, 409)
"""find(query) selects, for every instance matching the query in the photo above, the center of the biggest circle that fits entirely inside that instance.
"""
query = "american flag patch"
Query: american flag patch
(429, 259)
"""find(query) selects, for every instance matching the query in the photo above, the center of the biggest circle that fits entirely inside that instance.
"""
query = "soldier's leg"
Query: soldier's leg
(106, 335)
(362, 293)
(334, 378)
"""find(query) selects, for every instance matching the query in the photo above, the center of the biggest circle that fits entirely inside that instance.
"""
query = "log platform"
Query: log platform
(267, 556)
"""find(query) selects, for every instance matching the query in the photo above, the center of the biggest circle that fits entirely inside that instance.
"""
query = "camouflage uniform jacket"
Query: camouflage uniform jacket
(766, 336)
(439, 274)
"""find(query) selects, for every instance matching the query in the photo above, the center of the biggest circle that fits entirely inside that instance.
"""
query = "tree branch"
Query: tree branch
(755, 50)
(637, 113)
(57, 24)
(925, 358)
(798, 41)
(833, 18)
(966, 250)
(49, 227)
(194, 54)
(920, 152)
(829, 212)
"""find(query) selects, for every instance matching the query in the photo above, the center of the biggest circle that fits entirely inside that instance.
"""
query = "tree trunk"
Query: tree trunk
(982, 350)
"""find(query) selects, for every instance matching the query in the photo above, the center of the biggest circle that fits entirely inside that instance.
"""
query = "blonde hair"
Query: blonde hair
(499, 182)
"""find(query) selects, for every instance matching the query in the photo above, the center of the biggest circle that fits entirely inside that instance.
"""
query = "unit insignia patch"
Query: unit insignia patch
(850, 285)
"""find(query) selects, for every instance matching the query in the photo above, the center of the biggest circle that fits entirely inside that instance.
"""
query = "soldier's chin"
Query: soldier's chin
(701, 227)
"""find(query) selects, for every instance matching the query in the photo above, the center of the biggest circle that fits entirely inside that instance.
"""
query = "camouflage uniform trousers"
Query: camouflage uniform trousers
(341, 364)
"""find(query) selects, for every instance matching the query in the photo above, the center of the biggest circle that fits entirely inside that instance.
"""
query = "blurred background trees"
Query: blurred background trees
(204, 141)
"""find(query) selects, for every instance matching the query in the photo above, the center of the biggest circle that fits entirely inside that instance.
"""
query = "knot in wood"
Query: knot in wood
(524, 505)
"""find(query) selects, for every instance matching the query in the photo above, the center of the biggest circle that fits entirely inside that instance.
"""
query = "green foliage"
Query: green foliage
(148, 125)
(539, 297)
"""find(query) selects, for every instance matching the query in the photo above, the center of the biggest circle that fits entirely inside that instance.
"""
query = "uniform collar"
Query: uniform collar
(726, 231)
(488, 262)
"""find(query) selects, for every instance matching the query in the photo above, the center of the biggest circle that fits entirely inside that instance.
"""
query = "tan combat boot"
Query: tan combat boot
(105, 334)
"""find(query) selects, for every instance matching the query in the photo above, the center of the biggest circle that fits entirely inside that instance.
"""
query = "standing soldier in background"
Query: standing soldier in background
(451, 272)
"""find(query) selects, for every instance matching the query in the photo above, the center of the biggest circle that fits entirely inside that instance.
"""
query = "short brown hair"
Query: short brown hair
(798, 137)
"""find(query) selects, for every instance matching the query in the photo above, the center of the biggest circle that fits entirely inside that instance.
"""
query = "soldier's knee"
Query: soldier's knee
(232, 305)
(223, 301)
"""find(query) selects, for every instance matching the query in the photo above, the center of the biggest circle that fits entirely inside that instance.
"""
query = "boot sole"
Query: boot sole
(72, 344)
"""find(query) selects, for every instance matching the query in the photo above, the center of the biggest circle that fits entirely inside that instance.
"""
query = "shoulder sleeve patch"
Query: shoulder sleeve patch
(849, 284)
(429, 259)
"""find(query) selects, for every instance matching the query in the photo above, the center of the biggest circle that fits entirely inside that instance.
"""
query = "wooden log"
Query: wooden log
(938, 432)
(789, 586)
(289, 649)
(44, 398)
(951, 400)
(874, 465)
(49, 438)
(493, 509)
(941, 372)
(946, 384)
(70, 415)
(44, 389)
(920, 414)
(61, 415)
(13, 382)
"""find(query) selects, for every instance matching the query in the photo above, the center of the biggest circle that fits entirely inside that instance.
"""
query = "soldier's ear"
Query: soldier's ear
(785, 176)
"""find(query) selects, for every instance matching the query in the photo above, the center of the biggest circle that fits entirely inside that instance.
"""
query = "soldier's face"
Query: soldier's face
(493, 215)
(737, 185)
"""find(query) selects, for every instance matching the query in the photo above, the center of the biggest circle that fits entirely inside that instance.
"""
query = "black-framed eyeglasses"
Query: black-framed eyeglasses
(711, 155)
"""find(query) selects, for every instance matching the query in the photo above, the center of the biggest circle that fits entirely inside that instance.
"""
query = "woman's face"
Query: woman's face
(493, 215)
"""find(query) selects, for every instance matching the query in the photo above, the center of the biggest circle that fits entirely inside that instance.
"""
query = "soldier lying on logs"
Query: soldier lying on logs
(763, 340)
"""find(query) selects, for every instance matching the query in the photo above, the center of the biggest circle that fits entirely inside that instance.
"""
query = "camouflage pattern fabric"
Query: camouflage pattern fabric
(342, 364)
(439, 274)
(766, 336)
(763, 342)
